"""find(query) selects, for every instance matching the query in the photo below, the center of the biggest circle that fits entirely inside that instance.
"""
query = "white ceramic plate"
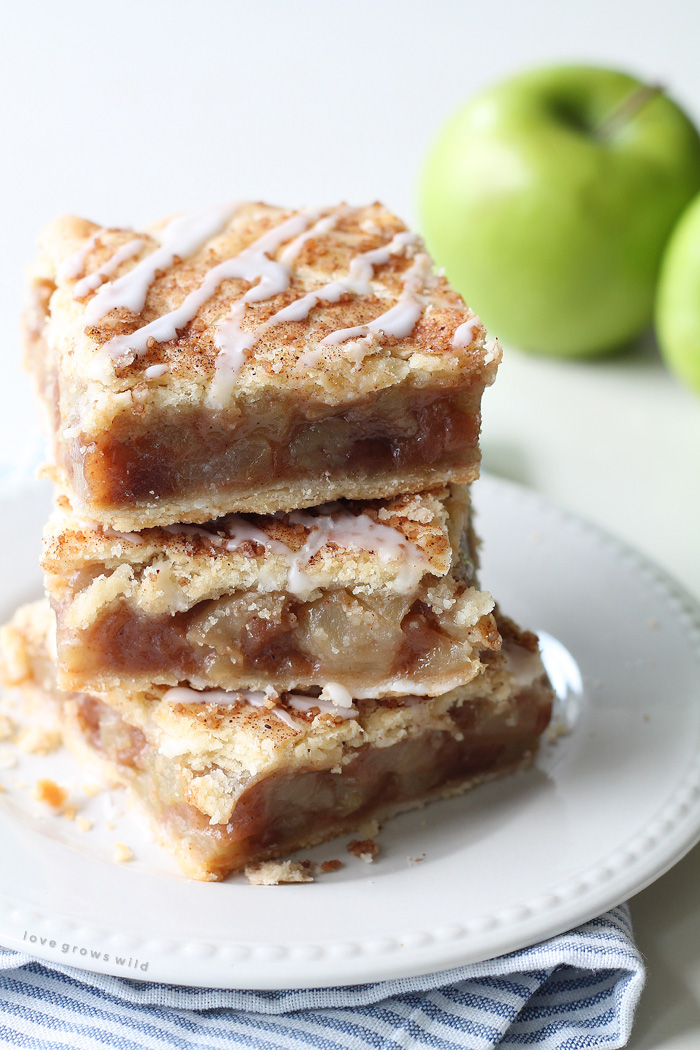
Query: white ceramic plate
(612, 804)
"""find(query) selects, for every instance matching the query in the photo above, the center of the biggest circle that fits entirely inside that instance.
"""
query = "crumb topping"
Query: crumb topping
(238, 296)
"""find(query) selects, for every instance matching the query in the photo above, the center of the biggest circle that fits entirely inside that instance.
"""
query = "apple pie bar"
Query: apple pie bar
(231, 778)
(250, 358)
(361, 599)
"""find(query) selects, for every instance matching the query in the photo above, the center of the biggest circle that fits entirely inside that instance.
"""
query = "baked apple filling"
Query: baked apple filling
(140, 459)
(370, 644)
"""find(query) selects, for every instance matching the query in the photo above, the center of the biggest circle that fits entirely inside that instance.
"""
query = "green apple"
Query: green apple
(678, 299)
(549, 199)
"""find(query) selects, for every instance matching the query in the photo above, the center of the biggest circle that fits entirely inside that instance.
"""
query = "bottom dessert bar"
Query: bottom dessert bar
(229, 779)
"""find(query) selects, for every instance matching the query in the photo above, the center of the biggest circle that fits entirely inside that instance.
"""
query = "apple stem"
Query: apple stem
(626, 109)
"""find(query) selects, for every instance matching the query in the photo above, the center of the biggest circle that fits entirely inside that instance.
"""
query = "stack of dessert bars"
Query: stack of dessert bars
(263, 613)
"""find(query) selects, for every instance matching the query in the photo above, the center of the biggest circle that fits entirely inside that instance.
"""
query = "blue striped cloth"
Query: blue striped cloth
(575, 991)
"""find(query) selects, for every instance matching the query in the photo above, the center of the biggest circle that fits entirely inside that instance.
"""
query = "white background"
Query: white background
(126, 111)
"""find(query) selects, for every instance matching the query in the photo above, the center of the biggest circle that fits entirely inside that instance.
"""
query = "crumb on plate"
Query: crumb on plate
(51, 793)
(364, 849)
(7, 727)
(276, 872)
(330, 865)
(37, 740)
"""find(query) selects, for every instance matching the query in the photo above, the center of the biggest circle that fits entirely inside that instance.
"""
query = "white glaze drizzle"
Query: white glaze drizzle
(194, 530)
(307, 703)
(92, 526)
(237, 530)
(130, 537)
(155, 371)
(398, 689)
(465, 334)
(74, 265)
(401, 319)
(343, 528)
(310, 358)
(94, 280)
(358, 531)
(140, 538)
(257, 699)
(337, 694)
(182, 695)
(181, 238)
(234, 343)
(231, 340)
(253, 262)
(362, 266)
(323, 226)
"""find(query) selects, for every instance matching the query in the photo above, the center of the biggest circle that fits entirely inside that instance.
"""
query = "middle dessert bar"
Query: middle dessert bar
(360, 599)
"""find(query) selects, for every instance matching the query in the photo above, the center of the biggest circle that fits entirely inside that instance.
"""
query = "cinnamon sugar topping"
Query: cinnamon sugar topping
(253, 262)
(267, 277)
(181, 238)
(235, 343)
(94, 280)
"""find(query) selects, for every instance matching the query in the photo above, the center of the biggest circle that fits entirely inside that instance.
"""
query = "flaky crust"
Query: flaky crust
(273, 496)
(176, 568)
(425, 356)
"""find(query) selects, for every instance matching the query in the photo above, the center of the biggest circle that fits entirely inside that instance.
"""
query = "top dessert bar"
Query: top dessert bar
(251, 358)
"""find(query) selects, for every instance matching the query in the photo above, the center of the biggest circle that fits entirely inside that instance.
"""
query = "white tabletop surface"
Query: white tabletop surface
(135, 109)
